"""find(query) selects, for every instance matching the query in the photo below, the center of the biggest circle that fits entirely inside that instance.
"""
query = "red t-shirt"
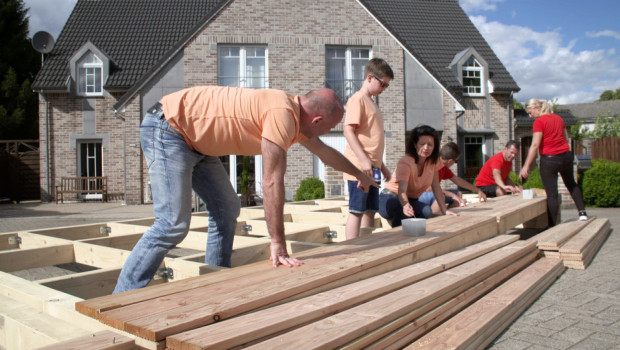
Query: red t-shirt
(445, 174)
(485, 178)
(553, 141)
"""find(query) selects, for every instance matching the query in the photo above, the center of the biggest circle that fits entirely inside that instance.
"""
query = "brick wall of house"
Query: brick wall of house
(296, 37)
(65, 115)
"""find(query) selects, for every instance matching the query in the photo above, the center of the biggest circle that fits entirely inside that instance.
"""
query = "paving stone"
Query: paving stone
(574, 335)
(523, 327)
(550, 343)
(592, 343)
(558, 323)
(511, 344)
(546, 314)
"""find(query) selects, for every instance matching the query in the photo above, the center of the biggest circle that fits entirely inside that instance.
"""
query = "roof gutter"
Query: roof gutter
(167, 57)
(458, 107)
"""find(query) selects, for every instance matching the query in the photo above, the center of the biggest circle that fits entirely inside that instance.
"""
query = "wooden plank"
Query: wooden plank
(75, 232)
(589, 254)
(103, 340)
(240, 330)
(22, 259)
(250, 273)
(318, 269)
(555, 237)
(337, 330)
(402, 331)
(580, 241)
(462, 328)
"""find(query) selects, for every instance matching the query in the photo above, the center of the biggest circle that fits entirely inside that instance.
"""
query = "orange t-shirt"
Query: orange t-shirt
(364, 114)
(217, 120)
(407, 170)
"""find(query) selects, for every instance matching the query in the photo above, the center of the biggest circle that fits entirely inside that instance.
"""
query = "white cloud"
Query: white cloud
(48, 15)
(545, 68)
(610, 33)
(478, 5)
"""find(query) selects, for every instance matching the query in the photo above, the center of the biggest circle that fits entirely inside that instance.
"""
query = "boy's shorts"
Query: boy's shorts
(428, 197)
(360, 202)
(490, 191)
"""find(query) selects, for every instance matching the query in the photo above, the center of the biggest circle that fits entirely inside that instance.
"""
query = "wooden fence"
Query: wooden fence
(606, 148)
(19, 178)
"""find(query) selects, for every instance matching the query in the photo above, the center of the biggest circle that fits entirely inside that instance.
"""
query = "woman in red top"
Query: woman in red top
(551, 141)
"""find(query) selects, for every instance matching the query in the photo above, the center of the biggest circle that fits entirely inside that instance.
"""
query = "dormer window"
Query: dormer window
(472, 77)
(90, 72)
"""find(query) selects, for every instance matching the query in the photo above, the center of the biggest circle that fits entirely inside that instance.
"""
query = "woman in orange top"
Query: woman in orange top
(415, 172)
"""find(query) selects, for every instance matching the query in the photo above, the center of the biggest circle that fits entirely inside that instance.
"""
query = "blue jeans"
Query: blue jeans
(361, 202)
(428, 197)
(175, 169)
(391, 209)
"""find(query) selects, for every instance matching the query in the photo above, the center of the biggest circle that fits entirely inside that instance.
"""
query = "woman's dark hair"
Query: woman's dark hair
(414, 137)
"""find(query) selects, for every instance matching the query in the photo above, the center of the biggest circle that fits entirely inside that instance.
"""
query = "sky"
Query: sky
(565, 51)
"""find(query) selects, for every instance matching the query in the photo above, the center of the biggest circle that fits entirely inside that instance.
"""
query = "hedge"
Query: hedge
(600, 184)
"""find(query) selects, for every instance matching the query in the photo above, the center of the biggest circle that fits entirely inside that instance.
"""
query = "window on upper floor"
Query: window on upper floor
(243, 66)
(90, 75)
(472, 77)
(344, 67)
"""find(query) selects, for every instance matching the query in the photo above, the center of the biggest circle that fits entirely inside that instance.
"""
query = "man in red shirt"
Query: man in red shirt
(493, 178)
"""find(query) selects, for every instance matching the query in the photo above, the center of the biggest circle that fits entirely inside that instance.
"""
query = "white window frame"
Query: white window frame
(349, 87)
(88, 67)
(243, 71)
(243, 81)
(472, 69)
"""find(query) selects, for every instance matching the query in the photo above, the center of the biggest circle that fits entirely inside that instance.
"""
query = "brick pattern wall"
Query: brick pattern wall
(296, 37)
(65, 116)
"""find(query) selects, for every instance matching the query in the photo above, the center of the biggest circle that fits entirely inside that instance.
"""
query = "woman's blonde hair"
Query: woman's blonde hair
(545, 107)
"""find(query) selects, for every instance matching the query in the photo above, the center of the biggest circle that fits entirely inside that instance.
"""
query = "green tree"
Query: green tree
(516, 104)
(617, 94)
(606, 126)
(19, 63)
(607, 95)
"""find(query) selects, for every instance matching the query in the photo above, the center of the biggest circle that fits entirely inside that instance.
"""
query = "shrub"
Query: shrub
(515, 178)
(534, 180)
(310, 188)
(600, 184)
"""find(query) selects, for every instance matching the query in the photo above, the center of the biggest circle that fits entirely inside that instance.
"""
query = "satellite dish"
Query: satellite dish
(43, 42)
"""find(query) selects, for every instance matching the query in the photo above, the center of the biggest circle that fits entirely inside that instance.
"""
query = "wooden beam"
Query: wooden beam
(9, 241)
(553, 238)
(85, 285)
(74, 232)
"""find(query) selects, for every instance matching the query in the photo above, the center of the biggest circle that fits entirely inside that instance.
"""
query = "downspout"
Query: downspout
(124, 157)
(47, 144)
(508, 107)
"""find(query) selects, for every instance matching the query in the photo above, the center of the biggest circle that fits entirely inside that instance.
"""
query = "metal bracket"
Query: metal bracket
(330, 234)
(15, 240)
(105, 230)
(165, 272)
(246, 228)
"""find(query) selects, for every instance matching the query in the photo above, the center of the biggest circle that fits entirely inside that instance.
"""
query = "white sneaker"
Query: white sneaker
(583, 216)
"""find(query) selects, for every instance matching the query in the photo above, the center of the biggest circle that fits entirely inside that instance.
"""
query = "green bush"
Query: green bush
(534, 180)
(515, 178)
(310, 188)
(600, 184)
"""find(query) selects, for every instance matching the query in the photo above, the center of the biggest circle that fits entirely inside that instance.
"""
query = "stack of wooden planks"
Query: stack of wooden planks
(575, 242)
(382, 290)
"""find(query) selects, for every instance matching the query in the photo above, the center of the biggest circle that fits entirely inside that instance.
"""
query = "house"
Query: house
(587, 113)
(116, 58)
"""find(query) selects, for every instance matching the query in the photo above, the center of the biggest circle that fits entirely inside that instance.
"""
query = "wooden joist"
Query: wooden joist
(479, 324)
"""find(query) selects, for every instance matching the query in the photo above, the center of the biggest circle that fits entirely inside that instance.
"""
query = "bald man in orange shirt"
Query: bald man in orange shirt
(182, 138)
